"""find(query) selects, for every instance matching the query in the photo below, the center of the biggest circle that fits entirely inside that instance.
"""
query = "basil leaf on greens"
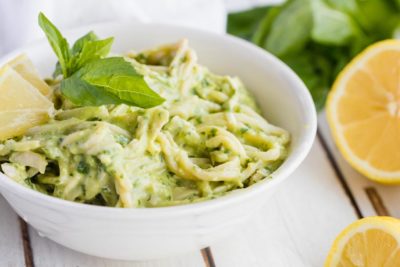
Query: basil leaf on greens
(331, 26)
(245, 23)
(291, 28)
(109, 81)
(264, 27)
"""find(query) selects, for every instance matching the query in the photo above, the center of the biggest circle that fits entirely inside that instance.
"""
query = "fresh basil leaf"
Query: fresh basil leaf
(92, 50)
(78, 45)
(85, 49)
(331, 26)
(81, 93)
(116, 78)
(264, 26)
(243, 24)
(119, 77)
(58, 43)
(291, 29)
(377, 18)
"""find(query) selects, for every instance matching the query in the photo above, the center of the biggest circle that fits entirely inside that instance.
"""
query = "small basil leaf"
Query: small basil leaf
(92, 50)
(57, 41)
(78, 45)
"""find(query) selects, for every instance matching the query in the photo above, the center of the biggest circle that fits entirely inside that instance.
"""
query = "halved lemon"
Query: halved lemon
(363, 111)
(369, 242)
(22, 106)
(24, 66)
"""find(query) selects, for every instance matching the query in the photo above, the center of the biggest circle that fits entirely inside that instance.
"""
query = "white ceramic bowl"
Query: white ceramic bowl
(137, 234)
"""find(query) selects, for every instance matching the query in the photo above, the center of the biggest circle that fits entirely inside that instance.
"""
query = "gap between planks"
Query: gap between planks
(205, 252)
(340, 175)
(26, 242)
(372, 193)
(208, 257)
(376, 202)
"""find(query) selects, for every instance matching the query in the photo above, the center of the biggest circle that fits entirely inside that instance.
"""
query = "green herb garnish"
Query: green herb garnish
(83, 167)
(91, 79)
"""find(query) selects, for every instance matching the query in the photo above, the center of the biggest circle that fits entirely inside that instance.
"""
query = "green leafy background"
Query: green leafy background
(317, 38)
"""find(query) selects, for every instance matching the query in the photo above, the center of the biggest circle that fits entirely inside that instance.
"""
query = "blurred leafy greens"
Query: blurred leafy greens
(317, 38)
(91, 79)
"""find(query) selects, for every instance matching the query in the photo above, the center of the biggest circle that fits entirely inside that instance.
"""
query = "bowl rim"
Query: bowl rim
(294, 159)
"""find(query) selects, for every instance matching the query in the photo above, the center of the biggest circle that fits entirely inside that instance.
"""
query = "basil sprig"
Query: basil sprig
(91, 79)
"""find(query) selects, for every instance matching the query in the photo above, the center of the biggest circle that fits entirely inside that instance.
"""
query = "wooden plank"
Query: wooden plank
(11, 247)
(297, 226)
(390, 195)
(48, 253)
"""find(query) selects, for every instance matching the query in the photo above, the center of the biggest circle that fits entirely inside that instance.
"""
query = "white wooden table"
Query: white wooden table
(294, 229)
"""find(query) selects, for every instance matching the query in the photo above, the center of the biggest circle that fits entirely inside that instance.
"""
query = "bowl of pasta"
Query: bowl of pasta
(165, 144)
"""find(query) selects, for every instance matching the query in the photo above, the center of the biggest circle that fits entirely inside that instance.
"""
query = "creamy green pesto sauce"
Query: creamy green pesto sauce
(205, 140)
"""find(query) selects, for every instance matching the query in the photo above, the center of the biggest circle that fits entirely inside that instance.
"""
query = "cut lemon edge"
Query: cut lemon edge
(338, 89)
(24, 66)
(380, 235)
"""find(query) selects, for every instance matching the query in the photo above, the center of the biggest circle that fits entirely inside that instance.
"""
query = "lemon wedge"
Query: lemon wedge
(363, 110)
